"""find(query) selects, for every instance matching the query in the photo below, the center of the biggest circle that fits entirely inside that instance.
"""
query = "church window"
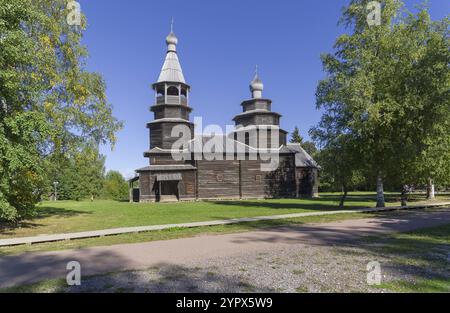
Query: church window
(160, 92)
(172, 91)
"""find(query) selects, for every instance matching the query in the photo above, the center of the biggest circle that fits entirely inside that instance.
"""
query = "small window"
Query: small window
(160, 92)
(219, 177)
(172, 91)
(247, 139)
(183, 96)
(258, 178)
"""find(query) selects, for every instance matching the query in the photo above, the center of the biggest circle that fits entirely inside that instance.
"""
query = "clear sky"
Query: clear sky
(219, 44)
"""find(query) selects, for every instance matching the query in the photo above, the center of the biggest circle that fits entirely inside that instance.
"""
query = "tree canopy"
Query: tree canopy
(116, 187)
(386, 95)
(308, 146)
(50, 104)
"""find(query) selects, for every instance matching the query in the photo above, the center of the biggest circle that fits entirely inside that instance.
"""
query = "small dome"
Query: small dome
(256, 84)
(171, 39)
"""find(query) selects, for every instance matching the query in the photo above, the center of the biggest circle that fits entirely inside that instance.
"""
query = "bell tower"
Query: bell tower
(257, 122)
(171, 107)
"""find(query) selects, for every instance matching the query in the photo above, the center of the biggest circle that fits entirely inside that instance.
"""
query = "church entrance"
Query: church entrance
(168, 187)
(306, 185)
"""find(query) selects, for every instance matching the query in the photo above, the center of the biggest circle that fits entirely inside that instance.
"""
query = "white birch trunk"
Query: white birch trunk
(380, 192)
(430, 190)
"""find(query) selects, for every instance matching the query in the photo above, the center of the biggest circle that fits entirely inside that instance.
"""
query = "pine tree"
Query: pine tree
(296, 137)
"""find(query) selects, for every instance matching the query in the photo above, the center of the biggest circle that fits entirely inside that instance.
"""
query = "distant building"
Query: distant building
(239, 175)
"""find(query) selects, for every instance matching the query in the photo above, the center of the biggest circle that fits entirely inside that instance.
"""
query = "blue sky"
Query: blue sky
(219, 44)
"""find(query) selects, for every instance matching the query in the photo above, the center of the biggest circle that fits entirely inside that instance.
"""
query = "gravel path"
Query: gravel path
(302, 268)
(329, 257)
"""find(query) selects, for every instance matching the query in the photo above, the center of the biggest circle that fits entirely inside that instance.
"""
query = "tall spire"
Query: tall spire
(171, 70)
(256, 86)
(171, 39)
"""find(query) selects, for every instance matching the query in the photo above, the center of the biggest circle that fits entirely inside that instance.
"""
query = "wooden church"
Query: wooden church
(240, 173)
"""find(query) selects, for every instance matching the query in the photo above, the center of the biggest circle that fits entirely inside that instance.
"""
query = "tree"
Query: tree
(308, 146)
(115, 186)
(430, 91)
(339, 165)
(354, 93)
(49, 104)
(296, 137)
(90, 168)
(422, 98)
(374, 96)
(80, 177)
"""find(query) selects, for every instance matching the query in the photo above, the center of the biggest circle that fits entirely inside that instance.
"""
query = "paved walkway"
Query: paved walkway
(128, 230)
(33, 267)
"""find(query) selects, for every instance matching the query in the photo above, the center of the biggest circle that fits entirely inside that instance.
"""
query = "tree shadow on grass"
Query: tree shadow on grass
(41, 213)
(45, 212)
(413, 260)
(324, 234)
(317, 204)
(313, 205)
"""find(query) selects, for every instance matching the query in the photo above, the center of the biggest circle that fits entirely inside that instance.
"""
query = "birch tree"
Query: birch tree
(387, 91)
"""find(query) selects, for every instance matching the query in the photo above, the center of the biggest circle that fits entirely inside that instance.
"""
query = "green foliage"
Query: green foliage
(308, 146)
(296, 137)
(80, 177)
(49, 104)
(20, 173)
(386, 98)
(338, 171)
(115, 187)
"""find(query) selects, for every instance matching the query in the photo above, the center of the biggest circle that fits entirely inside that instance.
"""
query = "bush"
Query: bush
(115, 187)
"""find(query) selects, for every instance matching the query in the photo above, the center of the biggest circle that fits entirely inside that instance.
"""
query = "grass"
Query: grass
(419, 286)
(72, 216)
(298, 272)
(46, 286)
(173, 233)
(302, 289)
(428, 247)
(425, 239)
(424, 254)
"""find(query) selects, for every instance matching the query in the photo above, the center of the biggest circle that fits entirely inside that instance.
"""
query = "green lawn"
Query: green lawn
(72, 216)
(174, 233)
(424, 254)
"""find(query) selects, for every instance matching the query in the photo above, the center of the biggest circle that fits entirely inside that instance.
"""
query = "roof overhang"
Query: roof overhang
(171, 83)
(171, 105)
(255, 100)
(168, 167)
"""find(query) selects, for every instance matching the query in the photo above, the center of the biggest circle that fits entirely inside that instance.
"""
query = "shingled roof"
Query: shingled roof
(171, 70)
(302, 158)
